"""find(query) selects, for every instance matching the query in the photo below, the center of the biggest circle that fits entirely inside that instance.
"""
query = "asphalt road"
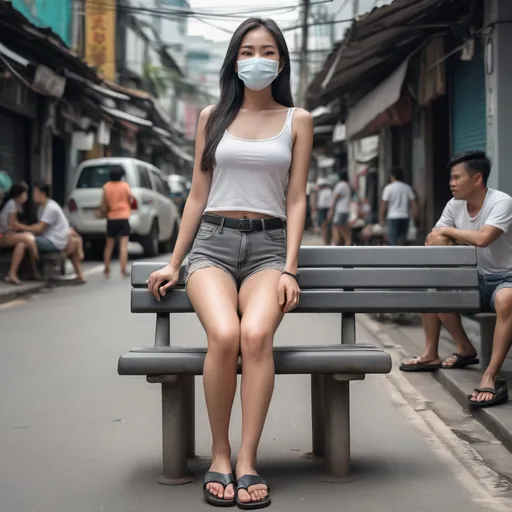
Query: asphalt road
(74, 436)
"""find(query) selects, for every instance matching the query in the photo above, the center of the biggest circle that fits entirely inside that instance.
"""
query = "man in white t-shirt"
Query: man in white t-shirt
(482, 217)
(339, 212)
(397, 206)
(53, 232)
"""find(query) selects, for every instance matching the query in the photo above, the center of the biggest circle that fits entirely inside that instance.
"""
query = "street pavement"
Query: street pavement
(75, 436)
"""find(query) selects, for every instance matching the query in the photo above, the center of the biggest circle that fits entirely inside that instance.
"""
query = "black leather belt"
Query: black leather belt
(245, 225)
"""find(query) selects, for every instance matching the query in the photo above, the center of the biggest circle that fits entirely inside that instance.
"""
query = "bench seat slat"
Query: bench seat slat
(343, 359)
(357, 257)
(335, 301)
(318, 278)
(383, 256)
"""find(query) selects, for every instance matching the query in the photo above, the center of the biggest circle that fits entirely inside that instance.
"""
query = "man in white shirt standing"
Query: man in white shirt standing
(323, 203)
(397, 206)
(481, 217)
(339, 213)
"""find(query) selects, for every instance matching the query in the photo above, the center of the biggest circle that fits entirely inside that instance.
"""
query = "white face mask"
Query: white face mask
(257, 73)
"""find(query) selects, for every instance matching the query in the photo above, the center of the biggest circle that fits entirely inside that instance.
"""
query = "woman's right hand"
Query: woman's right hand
(168, 275)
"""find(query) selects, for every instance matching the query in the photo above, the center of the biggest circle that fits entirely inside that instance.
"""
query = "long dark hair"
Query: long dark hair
(232, 88)
(15, 191)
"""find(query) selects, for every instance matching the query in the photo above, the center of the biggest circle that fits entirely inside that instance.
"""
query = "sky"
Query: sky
(263, 8)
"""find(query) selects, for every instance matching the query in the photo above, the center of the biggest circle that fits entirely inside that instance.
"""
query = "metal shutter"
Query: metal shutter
(468, 110)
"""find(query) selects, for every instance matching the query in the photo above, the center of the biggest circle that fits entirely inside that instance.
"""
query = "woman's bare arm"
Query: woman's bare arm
(197, 199)
(296, 196)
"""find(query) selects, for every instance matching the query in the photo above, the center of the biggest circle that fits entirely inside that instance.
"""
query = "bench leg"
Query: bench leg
(191, 415)
(337, 432)
(317, 414)
(174, 432)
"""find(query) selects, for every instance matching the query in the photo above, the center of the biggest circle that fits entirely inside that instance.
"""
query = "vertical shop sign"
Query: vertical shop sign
(100, 36)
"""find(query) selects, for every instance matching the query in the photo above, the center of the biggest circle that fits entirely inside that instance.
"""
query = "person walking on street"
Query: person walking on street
(482, 217)
(116, 206)
(324, 200)
(339, 213)
(248, 208)
(397, 207)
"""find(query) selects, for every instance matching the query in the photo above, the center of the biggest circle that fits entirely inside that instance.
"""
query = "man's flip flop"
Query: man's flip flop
(213, 477)
(425, 366)
(461, 362)
(500, 393)
(244, 483)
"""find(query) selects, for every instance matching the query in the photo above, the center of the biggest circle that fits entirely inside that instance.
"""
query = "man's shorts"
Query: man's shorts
(489, 286)
(321, 215)
(44, 245)
(341, 219)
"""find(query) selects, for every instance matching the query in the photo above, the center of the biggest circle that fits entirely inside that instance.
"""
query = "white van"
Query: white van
(155, 219)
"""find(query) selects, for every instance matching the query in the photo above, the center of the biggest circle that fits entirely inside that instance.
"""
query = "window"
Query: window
(161, 186)
(144, 180)
(95, 176)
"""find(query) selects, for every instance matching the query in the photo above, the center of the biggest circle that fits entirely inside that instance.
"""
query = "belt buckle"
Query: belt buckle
(245, 225)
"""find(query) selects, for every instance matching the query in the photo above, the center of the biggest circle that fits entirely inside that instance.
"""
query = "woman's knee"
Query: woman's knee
(224, 339)
(256, 341)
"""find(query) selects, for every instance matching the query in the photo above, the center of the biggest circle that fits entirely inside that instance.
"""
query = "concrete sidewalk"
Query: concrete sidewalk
(9, 292)
(408, 340)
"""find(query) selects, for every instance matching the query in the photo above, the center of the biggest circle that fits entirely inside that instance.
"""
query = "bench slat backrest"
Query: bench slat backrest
(357, 279)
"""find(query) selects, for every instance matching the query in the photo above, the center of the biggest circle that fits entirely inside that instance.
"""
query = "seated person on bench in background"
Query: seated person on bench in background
(482, 217)
(53, 232)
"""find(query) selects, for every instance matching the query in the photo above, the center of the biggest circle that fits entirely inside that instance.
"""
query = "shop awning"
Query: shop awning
(377, 42)
(119, 114)
(15, 57)
(365, 117)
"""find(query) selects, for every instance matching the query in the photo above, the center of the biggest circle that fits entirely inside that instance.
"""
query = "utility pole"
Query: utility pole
(355, 8)
(303, 79)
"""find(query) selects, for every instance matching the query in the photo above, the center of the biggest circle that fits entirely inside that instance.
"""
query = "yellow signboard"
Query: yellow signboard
(100, 36)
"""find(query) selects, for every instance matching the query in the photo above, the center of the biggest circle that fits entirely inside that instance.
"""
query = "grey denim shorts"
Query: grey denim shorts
(239, 254)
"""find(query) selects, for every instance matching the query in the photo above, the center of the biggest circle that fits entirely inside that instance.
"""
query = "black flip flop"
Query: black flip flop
(244, 483)
(212, 477)
(500, 393)
(461, 362)
(426, 366)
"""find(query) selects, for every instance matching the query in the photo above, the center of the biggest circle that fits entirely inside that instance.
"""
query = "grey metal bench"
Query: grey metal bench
(345, 280)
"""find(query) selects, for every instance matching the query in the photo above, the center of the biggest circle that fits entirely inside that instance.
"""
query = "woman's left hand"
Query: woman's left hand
(288, 293)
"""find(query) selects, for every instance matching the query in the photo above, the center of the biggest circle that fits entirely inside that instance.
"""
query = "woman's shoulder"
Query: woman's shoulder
(206, 112)
(10, 206)
(302, 116)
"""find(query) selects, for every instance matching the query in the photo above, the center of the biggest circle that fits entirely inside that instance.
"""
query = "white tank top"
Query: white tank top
(252, 175)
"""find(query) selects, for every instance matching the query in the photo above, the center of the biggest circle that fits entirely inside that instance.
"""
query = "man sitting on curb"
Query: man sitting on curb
(53, 233)
(481, 217)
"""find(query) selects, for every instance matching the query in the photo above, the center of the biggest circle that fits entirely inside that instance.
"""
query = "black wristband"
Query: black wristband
(295, 276)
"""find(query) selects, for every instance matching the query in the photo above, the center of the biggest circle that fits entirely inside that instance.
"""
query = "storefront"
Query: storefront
(17, 112)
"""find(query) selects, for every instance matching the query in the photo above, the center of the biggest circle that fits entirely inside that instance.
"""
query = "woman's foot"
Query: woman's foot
(222, 466)
(254, 493)
(12, 280)
(106, 271)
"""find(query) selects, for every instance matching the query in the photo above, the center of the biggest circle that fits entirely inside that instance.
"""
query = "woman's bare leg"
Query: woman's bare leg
(18, 254)
(213, 294)
(74, 253)
(107, 254)
(123, 254)
(261, 316)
